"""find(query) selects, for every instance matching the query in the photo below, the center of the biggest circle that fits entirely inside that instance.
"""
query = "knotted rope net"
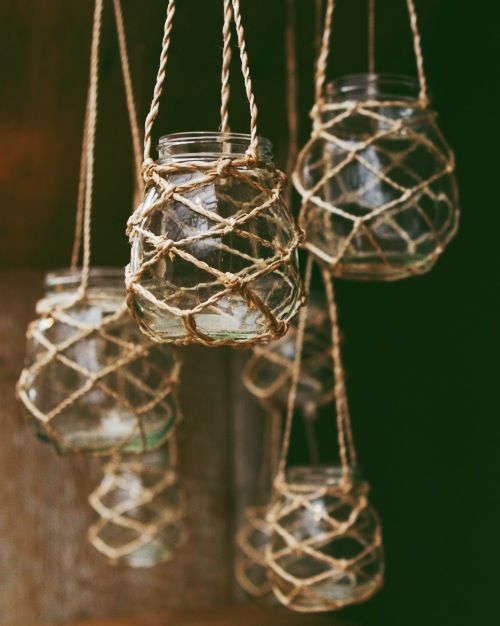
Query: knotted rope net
(213, 245)
(140, 508)
(92, 383)
(379, 196)
(326, 545)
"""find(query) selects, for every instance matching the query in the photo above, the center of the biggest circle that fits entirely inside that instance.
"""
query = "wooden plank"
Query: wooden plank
(248, 615)
(48, 571)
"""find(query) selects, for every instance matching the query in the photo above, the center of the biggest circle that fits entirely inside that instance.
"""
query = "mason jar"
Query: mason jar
(189, 248)
(380, 199)
(326, 546)
(92, 382)
(141, 511)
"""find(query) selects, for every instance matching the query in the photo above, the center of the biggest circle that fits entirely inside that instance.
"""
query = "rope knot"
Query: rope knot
(222, 165)
(232, 282)
(148, 169)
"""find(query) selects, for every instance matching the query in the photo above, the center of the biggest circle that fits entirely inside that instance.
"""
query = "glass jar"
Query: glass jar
(380, 200)
(141, 512)
(326, 547)
(92, 382)
(268, 372)
(187, 281)
(252, 539)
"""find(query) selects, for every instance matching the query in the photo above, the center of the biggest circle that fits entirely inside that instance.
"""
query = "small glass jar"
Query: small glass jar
(380, 200)
(268, 373)
(191, 222)
(326, 547)
(252, 539)
(92, 382)
(141, 511)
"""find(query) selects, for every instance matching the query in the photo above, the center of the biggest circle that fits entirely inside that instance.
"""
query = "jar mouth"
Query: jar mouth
(210, 145)
(67, 278)
(373, 86)
(320, 475)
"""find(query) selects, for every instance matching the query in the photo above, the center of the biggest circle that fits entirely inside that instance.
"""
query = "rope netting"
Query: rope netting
(92, 383)
(213, 242)
(140, 508)
(379, 197)
(325, 550)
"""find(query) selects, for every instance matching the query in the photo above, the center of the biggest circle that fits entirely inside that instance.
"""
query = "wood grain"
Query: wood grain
(247, 615)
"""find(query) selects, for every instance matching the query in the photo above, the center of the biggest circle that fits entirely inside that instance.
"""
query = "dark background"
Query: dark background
(421, 354)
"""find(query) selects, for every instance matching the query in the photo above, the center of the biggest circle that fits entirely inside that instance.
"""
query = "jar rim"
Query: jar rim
(321, 474)
(67, 276)
(210, 145)
(209, 136)
(393, 86)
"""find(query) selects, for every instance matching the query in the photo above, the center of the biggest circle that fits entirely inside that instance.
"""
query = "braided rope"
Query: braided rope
(399, 219)
(226, 67)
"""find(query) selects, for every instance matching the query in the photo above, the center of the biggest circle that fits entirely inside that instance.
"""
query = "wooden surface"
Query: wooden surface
(48, 571)
(235, 616)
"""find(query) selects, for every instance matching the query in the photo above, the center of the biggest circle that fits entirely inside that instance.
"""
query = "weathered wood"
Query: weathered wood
(48, 571)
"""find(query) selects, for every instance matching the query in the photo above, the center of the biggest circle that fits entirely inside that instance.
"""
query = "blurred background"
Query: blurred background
(421, 354)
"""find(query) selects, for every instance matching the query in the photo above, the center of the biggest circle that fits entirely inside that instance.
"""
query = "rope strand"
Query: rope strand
(371, 36)
(90, 137)
(417, 43)
(226, 67)
(129, 93)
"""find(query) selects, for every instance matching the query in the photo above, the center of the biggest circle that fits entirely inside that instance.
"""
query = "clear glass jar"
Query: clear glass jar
(252, 539)
(326, 538)
(180, 283)
(141, 511)
(377, 178)
(268, 372)
(74, 339)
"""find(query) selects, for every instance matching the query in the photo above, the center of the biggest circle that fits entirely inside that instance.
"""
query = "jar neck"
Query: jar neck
(320, 476)
(383, 87)
(107, 278)
(210, 146)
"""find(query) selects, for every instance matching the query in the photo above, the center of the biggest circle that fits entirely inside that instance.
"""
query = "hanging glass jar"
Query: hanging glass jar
(92, 382)
(380, 196)
(141, 510)
(326, 548)
(213, 257)
(213, 248)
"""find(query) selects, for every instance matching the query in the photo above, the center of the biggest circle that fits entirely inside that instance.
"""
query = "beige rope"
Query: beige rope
(140, 508)
(129, 93)
(371, 36)
(77, 238)
(226, 67)
(322, 62)
(90, 141)
(292, 93)
(299, 342)
(418, 53)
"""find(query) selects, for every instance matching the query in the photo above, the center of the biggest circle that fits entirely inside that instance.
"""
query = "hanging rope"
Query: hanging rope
(177, 183)
(371, 36)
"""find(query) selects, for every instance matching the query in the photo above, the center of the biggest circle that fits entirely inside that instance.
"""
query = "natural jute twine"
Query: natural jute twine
(412, 193)
(293, 501)
(67, 312)
(199, 175)
(139, 507)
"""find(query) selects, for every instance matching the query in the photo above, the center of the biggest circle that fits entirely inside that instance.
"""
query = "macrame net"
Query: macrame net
(92, 383)
(326, 544)
(140, 509)
(379, 197)
(213, 245)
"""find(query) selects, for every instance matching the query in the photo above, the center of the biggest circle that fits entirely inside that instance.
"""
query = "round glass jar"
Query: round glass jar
(218, 232)
(380, 200)
(326, 547)
(92, 382)
(141, 511)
